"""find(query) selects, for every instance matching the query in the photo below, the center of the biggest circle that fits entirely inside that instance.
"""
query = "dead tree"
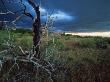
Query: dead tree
(36, 27)
(31, 63)
(36, 22)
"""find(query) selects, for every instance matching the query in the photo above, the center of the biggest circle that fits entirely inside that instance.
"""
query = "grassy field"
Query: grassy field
(86, 57)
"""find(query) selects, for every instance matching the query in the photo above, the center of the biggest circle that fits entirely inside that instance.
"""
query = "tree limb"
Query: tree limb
(36, 7)
(25, 12)
(32, 4)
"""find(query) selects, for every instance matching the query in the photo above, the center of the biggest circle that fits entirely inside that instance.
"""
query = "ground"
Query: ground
(86, 57)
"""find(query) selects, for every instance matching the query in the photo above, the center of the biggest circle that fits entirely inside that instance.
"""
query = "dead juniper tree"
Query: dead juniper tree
(36, 21)
(23, 69)
(36, 26)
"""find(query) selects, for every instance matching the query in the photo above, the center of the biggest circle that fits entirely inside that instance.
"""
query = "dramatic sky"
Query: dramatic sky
(72, 15)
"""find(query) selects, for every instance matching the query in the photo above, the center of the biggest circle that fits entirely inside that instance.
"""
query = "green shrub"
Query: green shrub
(87, 42)
(101, 43)
(57, 43)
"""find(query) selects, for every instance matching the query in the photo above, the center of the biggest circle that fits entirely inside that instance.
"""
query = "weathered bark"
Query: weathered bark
(36, 32)
(36, 29)
(1, 25)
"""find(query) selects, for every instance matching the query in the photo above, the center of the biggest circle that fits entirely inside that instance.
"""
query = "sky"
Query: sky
(70, 15)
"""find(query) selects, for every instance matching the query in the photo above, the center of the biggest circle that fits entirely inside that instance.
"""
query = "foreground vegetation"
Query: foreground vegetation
(86, 59)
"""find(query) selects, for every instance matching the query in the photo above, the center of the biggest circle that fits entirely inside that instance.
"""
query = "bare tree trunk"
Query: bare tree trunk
(36, 33)
(1, 25)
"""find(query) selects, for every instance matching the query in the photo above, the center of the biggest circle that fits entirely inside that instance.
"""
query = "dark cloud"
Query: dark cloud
(86, 14)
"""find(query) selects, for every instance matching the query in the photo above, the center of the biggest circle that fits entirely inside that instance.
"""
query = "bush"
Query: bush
(87, 42)
(57, 43)
(101, 43)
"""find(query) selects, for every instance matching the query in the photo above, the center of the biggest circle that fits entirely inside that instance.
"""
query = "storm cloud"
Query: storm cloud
(76, 15)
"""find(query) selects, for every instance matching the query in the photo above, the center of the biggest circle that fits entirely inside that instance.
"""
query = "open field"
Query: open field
(87, 58)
